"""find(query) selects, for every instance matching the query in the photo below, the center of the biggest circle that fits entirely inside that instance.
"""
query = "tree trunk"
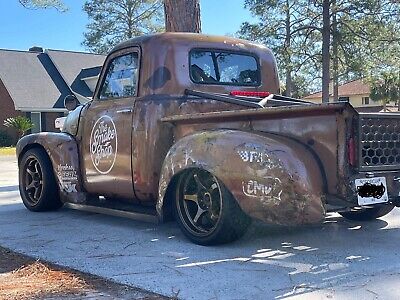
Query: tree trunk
(326, 39)
(288, 62)
(335, 54)
(289, 90)
(182, 16)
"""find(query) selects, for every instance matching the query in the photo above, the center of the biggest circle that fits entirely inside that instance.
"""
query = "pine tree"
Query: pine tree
(385, 88)
(285, 27)
(35, 4)
(113, 21)
(342, 39)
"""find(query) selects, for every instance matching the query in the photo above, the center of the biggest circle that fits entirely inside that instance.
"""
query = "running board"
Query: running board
(137, 216)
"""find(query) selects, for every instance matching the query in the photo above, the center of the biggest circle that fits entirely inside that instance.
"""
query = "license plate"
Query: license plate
(371, 190)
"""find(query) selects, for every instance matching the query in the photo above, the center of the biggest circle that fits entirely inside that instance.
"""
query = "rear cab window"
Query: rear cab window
(208, 66)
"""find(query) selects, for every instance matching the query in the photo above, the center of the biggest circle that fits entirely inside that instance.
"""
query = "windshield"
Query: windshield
(228, 68)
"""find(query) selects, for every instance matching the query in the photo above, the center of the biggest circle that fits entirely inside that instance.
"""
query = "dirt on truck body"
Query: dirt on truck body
(193, 126)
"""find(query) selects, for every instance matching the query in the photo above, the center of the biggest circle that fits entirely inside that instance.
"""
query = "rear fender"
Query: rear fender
(273, 179)
(62, 150)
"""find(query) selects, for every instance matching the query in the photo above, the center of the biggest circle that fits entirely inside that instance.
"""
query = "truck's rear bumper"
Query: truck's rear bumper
(392, 186)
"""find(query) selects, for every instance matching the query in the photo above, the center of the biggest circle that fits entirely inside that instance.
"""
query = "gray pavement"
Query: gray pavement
(335, 260)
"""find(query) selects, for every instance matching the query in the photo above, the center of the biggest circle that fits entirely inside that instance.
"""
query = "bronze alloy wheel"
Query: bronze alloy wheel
(202, 202)
(206, 211)
(33, 180)
(37, 183)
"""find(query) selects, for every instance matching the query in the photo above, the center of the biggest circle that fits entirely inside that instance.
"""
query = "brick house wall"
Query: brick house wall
(7, 109)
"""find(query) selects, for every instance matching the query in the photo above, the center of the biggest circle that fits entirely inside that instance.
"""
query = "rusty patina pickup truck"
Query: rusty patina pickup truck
(193, 127)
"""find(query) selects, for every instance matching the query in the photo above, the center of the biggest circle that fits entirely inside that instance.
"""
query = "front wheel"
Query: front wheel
(368, 213)
(37, 184)
(206, 211)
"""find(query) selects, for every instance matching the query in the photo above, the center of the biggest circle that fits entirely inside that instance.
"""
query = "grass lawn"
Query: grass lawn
(7, 150)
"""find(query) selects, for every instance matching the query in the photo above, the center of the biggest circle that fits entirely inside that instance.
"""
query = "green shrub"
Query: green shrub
(5, 139)
(20, 124)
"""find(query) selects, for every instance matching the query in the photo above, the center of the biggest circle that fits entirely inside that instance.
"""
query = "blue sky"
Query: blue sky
(22, 28)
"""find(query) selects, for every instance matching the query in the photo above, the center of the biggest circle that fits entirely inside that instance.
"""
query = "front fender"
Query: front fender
(62, 150)
(274, 179)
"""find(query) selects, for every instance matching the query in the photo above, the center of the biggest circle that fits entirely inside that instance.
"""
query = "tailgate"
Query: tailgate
(378, 158)
(379, 142)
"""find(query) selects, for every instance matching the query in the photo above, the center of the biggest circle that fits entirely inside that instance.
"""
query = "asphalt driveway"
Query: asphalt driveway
(337, 259)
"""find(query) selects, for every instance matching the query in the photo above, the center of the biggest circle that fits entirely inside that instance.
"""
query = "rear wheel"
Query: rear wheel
(206, 211)
(37, 183)
(368, 213)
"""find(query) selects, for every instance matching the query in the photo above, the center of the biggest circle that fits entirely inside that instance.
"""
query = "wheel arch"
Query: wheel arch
(29, 147)
(62, 150)
(247, 164)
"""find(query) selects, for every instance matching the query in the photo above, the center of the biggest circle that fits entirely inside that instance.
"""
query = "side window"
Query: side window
(121, 77)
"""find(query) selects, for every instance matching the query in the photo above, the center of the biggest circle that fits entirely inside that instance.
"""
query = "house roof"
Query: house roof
(32, 80)
(74, 66)
(355, 87)
(41, 80)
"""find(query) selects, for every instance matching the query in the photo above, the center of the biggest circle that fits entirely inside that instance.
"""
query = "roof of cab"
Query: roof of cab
(184, 38)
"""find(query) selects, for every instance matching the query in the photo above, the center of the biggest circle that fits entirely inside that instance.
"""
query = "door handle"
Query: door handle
(124, 111)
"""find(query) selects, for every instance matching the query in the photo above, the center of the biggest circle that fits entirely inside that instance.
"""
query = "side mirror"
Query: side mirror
(71, 102)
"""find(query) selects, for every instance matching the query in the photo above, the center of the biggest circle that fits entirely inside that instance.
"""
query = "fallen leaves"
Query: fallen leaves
(36, 280)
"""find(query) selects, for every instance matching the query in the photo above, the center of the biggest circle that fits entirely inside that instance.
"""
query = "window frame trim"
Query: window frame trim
(40, 119)
(106, 67)
(239, 52)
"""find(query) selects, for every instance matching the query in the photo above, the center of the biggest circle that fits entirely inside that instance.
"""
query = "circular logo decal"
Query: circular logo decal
(103, 144)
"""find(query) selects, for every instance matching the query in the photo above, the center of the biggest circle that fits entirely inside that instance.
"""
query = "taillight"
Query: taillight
(351, 150)
(250, 94)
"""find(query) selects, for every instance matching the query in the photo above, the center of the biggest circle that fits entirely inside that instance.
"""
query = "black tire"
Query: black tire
(220, 218)
(37, 184)
(368, 214)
